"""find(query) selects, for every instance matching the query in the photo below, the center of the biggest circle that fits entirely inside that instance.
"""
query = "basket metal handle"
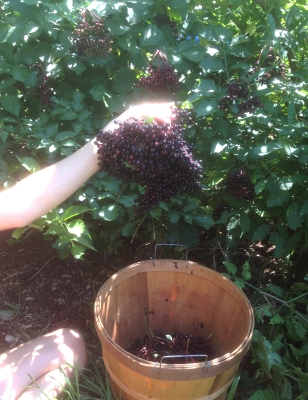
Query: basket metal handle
(167, 244)
(206, 363)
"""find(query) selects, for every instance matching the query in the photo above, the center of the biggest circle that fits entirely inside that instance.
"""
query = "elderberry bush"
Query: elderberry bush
(239, 184)
(153, 155)
(90, 37)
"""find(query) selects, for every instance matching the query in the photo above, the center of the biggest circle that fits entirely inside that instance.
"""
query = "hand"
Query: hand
(159, 111)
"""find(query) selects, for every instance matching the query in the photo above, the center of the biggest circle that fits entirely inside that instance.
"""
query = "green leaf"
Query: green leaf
(246, 274)
(294, 218)
(116, 26)
(128, 229)
(55, 228)
(76, 227)
(278, 198)
(195, 53)
(209, 64)
(10, 104)
(244, 222)
(99, 93)
(291, 111)
(174, 216)
(230, 267)
(272, 25)
(29, 163)
(277, 319)
(73, 211)
(261, 232)
(205, 107)
(110, 213)
(151, 35)
(206, 221)
(17, 233)
(260, 186)
(265, 395)
(77, 250)
(239, 51)
(65, 135)
(128, 200)
(304, 209)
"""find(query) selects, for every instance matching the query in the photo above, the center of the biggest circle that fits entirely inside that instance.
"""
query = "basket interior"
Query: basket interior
(197, 301)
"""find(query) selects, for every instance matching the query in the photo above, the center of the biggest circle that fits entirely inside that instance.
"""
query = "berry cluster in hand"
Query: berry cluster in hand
(161, 78)
(90, 37)
(43, 90)
(164, 19)
(151, 154)
(239, 184)
(238, 90)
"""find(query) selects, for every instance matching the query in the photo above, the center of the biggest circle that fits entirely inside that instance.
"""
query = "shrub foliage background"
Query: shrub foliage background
(55, 97)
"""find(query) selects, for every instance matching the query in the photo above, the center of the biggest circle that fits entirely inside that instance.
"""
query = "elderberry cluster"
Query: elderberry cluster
(219, 209)
(278, 68)
(161, 78)
(240, 185)
(43, 90)
(90, 37)
(239, 91)
(153, 155)
(156, 347)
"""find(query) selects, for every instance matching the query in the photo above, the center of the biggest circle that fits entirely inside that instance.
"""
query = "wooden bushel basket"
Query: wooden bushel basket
(173, 296)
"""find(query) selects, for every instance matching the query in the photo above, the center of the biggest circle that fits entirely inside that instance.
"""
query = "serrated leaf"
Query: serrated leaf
(230, 267)
(299, 328)
(277, 319)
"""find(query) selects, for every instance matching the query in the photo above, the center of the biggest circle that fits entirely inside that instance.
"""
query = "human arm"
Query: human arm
(40, 192)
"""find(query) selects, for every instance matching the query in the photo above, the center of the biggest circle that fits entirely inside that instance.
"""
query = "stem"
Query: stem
(136, 230)
(285, 303)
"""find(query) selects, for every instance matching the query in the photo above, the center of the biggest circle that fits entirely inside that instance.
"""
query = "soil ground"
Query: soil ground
(40, 292)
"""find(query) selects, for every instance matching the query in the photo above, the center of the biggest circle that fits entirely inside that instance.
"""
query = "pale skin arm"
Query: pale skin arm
(42, 191)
